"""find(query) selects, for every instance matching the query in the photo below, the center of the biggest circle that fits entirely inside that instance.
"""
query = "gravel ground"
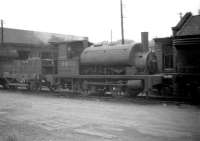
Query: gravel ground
(33, 117)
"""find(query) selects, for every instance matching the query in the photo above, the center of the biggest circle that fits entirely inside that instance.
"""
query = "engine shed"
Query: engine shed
(179, 55)
(180, 52)
(187, 42)
(27, 54)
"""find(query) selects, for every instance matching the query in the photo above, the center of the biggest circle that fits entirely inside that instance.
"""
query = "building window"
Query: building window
(23, 55)
(48, 70)
(168, 60)
(46, 55)
(168, 57)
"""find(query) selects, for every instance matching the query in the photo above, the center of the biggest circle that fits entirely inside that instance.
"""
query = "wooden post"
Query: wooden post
(2, 40)
(72, 85)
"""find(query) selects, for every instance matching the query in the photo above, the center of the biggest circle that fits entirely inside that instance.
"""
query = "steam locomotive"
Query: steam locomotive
(124, 69)
(107, 69)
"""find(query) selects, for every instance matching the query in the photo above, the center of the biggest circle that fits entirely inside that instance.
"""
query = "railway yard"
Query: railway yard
(61, 87)
(31, 117)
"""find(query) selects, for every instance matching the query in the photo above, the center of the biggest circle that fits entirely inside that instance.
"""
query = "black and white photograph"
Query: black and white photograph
(99, 70)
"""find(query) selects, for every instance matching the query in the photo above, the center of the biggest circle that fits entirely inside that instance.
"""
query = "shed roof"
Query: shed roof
(188, 25)
(20, 36)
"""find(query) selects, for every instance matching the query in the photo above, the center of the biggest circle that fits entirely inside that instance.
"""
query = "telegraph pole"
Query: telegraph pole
(1, 32)
(122, 21)
(111, 35)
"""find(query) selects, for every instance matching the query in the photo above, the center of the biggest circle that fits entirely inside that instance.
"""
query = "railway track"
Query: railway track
(152, 99)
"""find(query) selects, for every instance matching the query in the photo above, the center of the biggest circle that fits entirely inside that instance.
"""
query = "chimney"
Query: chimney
(199, 12)
(145, 41)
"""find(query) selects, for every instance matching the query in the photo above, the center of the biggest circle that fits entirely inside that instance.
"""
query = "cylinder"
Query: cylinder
(135, 84)
(134, 87)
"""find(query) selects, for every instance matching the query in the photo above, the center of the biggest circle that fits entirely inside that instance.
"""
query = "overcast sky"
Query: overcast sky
(96, 18)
